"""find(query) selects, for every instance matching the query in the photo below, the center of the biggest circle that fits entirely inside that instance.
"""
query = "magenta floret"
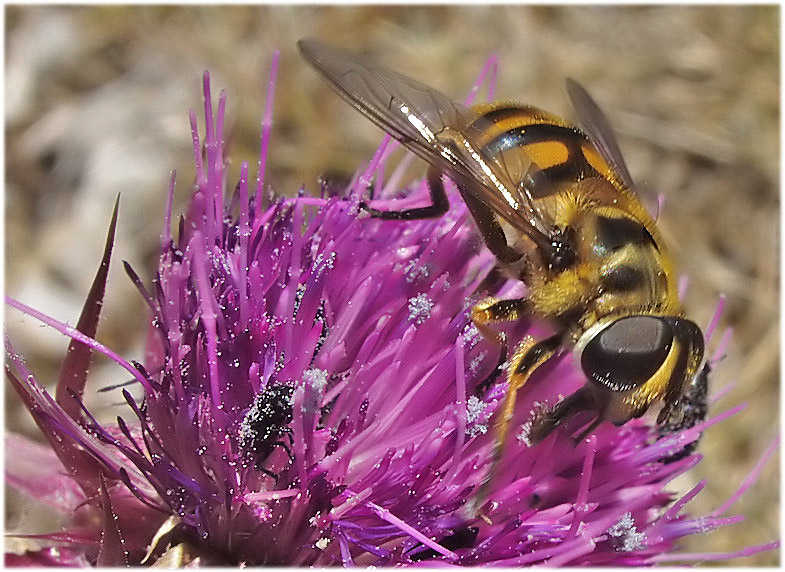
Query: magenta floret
(315, 394)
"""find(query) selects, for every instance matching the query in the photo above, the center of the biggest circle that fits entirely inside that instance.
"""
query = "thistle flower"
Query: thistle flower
(314, 394)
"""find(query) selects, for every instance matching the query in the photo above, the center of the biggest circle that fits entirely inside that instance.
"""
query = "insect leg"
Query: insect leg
(288, 432)
(491, 231)
(529, 355)
(547, 420)
(494, 310)
(269, 473)
(439, 203)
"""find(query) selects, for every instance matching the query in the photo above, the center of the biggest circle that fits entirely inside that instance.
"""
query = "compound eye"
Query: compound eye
(628, 352)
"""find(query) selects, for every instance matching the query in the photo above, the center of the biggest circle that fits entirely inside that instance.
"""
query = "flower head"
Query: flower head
(314, 393)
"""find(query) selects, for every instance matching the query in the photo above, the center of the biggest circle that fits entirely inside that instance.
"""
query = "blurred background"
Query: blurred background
(97, 100)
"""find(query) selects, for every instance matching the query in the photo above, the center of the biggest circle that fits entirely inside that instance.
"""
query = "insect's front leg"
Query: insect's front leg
(529, 354)
(492, 310)
(439, 203)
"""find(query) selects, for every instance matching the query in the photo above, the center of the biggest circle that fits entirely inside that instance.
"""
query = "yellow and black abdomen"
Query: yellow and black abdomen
(520, 136)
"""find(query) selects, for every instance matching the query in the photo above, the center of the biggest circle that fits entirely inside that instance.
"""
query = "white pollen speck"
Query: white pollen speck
(420, 308)
(624, 534)
(474, 430)
(705, 525)
(415, 271)
(322, 543)
(471, 335)
(623, 526)
(523, 436)
(475, 408)
(323, 262)
(316, 377)
(475, 364)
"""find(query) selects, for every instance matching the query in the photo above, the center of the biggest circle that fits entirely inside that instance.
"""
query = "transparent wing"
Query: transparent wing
(598, 129)
(429, 123)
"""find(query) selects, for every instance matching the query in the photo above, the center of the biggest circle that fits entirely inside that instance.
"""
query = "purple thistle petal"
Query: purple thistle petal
(488, 72)
(315, 394)
(267, 127)
(75, 334)
(386, 515)
(166, 235)
(715, 318)
(750, 479)
(59, 428)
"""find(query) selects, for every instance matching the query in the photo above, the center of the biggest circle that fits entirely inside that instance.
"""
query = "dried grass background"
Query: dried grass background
(97, 100)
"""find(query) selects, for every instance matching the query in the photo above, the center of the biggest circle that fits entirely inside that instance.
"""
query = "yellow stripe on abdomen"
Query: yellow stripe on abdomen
(547, 154)
(597, 161)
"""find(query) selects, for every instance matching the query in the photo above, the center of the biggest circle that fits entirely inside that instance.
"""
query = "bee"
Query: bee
(557, 207)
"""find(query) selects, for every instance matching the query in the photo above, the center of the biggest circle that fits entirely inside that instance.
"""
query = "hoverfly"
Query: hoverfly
(557, 207)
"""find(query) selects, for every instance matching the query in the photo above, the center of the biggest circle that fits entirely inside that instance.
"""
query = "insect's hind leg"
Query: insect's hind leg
(439, 203)
(529, 355)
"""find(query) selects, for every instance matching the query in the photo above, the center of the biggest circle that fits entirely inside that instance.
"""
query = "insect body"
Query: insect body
(267, 424)
(557, 207)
